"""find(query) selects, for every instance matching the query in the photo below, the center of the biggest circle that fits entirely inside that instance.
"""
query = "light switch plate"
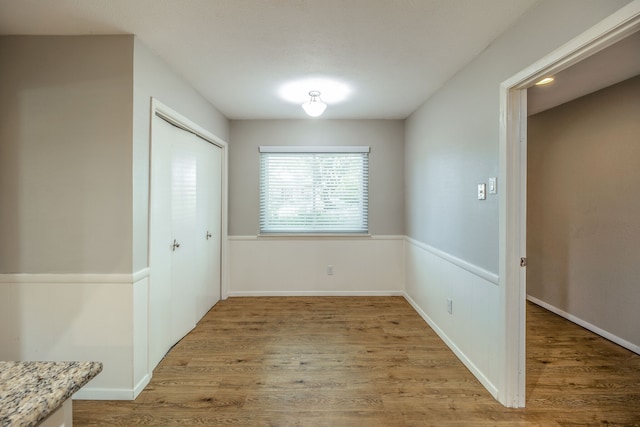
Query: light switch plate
(493, 185)
(482, 191)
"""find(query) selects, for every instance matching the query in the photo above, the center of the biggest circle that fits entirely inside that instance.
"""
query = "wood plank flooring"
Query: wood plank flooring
(366, 361)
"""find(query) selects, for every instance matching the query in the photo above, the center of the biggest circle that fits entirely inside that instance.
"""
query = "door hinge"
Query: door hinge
(523, 262)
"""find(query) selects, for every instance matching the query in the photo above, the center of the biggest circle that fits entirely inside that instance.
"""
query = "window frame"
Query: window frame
(366, 150)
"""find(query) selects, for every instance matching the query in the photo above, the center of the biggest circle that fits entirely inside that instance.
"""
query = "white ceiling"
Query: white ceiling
(391, 54)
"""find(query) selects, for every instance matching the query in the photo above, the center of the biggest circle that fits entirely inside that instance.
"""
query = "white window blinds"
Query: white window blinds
(314, 189)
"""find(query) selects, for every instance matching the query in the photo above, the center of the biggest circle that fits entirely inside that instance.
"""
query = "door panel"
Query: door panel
(215, 245)
(209, 227)
(184, 173)
(160, 242)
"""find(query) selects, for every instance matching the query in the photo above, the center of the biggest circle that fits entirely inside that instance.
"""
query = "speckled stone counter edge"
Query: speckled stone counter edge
(29, 391)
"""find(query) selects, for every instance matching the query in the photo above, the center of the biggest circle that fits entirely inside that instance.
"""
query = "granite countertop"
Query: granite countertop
(29, 391)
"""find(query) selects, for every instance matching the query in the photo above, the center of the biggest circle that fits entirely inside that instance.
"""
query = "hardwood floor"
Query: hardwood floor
(366, 361)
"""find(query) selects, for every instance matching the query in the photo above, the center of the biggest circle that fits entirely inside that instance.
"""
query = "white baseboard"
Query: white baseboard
(98, 393)
(95, 393)
(141, 385)
(317, 294)
(459, 353)
(593, 328)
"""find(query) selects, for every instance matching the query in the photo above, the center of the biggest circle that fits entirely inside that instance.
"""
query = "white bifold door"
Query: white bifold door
(185, 234)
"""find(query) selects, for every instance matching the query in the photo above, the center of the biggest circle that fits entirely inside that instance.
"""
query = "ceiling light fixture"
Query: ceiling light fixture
(314, 107)
(545, 81)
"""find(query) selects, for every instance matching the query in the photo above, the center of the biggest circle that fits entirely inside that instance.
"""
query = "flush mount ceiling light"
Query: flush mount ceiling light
(545, 81)
(314, 107)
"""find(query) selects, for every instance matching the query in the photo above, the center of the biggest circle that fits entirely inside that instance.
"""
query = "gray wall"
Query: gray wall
(65, 154)
(451, 142)
(583, 208)
(74, 150)
(385, 137)
(152, 77)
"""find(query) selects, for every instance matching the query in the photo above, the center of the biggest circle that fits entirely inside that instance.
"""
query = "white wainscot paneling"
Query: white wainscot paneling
(80, 317)
(298, 265)
(141, 368)
(471, 330)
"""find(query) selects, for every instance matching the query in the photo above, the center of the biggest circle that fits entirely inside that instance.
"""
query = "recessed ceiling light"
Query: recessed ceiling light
(545, 81)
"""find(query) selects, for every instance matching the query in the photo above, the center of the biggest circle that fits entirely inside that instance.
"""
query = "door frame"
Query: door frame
(513, 175)
(172, 116)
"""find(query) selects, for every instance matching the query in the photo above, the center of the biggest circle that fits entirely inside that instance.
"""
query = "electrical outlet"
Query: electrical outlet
(449, 306)
(330, 270)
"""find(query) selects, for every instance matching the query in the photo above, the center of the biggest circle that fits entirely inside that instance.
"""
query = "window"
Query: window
(314, 189)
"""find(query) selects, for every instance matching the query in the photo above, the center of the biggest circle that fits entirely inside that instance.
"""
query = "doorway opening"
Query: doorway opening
(513, 173)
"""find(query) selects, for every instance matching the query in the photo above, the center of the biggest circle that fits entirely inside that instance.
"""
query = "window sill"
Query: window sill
(313, 235)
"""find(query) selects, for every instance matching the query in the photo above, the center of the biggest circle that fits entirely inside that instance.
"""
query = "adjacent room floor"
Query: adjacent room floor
(367, 361)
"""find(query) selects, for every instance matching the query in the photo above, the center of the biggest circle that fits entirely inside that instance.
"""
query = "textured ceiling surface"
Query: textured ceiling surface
(387, 56)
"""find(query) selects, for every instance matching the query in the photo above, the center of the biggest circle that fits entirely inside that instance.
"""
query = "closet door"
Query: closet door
(184, 201)
(209, 227)
(160, 240)
(185, 234)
